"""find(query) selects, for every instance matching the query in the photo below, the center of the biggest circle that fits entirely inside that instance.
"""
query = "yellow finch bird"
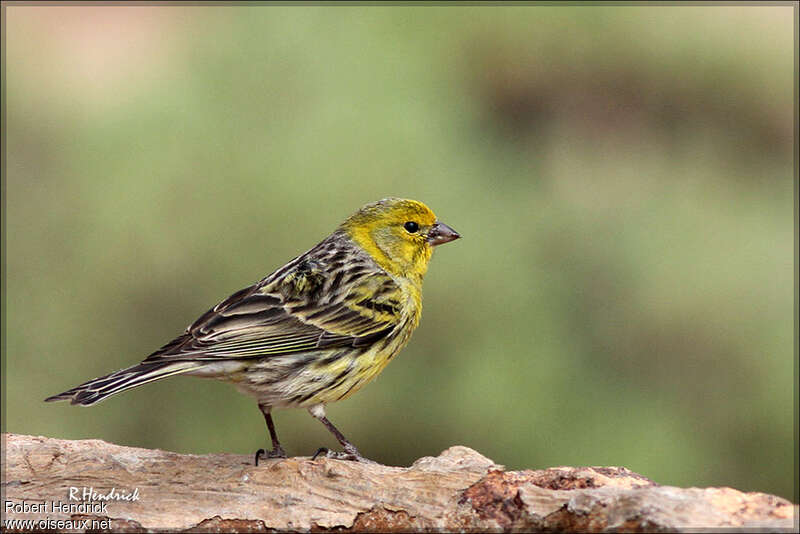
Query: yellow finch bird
(312, 332)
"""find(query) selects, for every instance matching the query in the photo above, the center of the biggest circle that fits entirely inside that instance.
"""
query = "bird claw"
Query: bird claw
(352, 456)
(277, 452)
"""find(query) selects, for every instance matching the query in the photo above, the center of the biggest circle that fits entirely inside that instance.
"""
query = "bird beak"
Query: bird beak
(441, 233)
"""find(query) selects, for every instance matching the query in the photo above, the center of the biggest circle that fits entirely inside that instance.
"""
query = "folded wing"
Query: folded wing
(295, 313)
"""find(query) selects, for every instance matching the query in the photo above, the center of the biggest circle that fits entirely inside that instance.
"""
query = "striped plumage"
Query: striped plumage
(312, 332)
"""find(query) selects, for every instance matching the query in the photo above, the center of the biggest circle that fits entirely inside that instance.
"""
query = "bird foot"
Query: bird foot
(277, 452)
(353, 455)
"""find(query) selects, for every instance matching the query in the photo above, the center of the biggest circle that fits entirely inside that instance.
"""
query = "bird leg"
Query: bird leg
(350, 451)
(277, 451)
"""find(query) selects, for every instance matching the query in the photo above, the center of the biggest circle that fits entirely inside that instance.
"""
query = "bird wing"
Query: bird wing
(306, 307)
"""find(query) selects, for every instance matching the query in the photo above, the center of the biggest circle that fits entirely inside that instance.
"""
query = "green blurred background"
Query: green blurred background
(622, 177)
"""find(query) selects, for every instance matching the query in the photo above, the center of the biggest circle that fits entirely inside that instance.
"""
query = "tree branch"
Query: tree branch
(459, 490)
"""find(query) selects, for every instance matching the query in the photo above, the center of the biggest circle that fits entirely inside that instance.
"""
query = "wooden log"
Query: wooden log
(92, 485)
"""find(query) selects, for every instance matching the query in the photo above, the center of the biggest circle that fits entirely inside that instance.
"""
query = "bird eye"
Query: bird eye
(411, 227)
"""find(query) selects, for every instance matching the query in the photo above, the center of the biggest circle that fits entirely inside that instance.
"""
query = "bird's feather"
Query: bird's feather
(304, 306)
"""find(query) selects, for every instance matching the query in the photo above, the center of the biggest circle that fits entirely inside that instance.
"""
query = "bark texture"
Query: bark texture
(459, 490)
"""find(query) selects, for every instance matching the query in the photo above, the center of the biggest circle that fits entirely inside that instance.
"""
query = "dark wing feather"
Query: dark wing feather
(300, 308)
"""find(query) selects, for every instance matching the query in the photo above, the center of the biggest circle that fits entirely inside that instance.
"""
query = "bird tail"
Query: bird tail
(94, 391)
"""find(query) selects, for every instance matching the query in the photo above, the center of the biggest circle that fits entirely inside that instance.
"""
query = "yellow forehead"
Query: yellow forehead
(394, 210)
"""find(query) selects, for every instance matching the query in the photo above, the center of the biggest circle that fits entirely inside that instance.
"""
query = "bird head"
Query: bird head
(399, 234)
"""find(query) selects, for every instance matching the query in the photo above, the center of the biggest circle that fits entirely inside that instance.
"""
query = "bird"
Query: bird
(312, 332)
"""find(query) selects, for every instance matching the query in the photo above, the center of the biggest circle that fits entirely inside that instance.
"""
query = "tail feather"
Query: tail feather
(94, 391)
